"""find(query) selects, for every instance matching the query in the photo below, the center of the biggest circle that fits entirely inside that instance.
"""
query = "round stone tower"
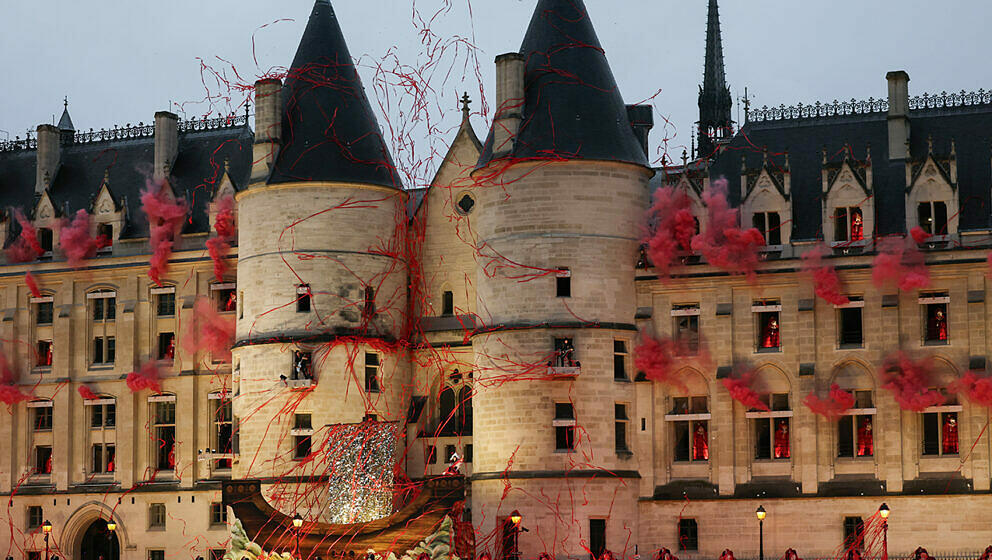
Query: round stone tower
(561, 190)
(321, 279)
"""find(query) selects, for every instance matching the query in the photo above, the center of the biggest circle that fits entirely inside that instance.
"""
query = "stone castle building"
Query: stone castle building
(495, 315)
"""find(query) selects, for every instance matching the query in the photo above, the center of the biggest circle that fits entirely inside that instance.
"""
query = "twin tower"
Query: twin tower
(329, 332)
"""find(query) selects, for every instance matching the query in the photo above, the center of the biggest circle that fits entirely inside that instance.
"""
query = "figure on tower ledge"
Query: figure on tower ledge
(565, 353)
(866, 442)
(950, 434)
(700, 444)
(857, 225)
(770, 338)
(782, 439)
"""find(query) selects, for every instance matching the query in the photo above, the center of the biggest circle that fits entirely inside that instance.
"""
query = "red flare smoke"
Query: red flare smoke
(834, 406)
(26, 247)
(87, 393)
(673, 230)
(10, 393)
(165, 217)
(724, 244)
(977, 388)
(658, 359)
(144, 378)
(901, 264)
(910, 381)
(826, 283)
(76, 241)
(741, 391)
(918, 235)
(220, 245)
(32, 285)
(210, 331)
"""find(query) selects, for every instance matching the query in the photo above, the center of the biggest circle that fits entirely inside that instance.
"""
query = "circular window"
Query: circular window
(465, 203)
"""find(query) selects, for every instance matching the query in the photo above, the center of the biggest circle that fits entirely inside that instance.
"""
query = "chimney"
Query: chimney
(166, 143)
(898, 115)
(49, 154)
(268, 127)
(509, 100)
(641, 119)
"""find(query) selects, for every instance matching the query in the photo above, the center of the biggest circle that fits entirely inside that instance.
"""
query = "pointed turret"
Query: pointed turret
(572, 108)
(329, 132)
(66, 129)
(715, 123)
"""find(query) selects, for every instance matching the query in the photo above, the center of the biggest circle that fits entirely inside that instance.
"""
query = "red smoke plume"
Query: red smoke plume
(76, 241)
(918, 235)
(910, 381)
(32, 285)
(826, 283)
(834, 406)
(977, 388)
(144, 378)
(165, 217)
(10, 392)
(87, 393)
(658, 359)
(724, 244)
(741, 391)
(673, 229)
(220, 245)
(210, 331)
(901, 264)
(26, 247)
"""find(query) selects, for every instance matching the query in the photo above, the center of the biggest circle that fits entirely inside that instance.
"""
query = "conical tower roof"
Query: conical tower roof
(329, 132)
(572, 106)
(65, 123)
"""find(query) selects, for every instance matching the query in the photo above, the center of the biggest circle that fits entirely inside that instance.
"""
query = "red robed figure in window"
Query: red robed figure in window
(110, 462)
(857, 226)
(232, 302)
(170, 352)
(782, 440)
(950, 434)
(172, 455)
(939, 325)
(866, 440)
(769, 338)
(48, 465)
(700, 444)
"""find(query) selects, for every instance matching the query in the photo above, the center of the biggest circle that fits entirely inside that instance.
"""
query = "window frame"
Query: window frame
(762, 311)
(930, 224)
(162, 426)
(563, 282)
(687, 338)
(101, 431)
(373, 370)
(302, 433)
(565, 425)
(762, 222)
(930, 304)
(218, 514)
(688, 415)
(688, 529)
(855, 416)
(855, 304)
(620, 361)
(304, 298)
(621, 423)
(775, 416)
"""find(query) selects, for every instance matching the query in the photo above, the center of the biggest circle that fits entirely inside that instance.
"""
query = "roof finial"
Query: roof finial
(466, 101)
(106, 176)
(65, 102)
(930, 143)
(685, 157)
(227, 164)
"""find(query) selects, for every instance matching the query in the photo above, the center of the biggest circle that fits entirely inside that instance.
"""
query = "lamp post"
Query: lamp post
(760, 513)
(111, 527)
(297, 523)
(883, 511)
(515, 519)
(46, 528)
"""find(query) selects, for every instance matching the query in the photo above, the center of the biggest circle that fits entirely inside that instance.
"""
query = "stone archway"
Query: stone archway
(77, 528)
(98, 543)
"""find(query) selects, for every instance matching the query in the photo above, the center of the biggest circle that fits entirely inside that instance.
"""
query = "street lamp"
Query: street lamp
(760, 513)
(883, 511)
(297, 523)
(515, 519)
(46, 528)
(111, 527)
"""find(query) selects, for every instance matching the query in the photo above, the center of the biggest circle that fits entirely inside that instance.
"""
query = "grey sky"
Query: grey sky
(119, 61)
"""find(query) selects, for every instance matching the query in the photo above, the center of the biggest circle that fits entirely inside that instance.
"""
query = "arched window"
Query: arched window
(465, 410)
(446, 414)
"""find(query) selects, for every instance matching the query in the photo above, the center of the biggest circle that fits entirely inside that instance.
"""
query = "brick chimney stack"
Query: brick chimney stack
(509, 100)
(268, 127)
(49, 155)
(166, 143)
(898, 115)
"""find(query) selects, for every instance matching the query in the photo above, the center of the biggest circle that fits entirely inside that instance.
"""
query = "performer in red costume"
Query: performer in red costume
(791, 554)
(866, 439)
(770, 337)
(700, 444)
(939, 327)
(857, 226)
(782, 439)
(727, 554)
(232, 302)
(950, 434)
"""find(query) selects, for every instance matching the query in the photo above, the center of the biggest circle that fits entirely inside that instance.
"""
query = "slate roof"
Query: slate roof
(572, 106)
(329, 132)
(196, 173)
(804, 139)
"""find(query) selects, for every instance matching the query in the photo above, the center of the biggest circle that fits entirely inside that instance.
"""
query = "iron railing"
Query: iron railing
(862, 107)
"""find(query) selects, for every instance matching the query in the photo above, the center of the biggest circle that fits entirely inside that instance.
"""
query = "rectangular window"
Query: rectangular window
(45, 239)
(105, 237)
(447, 304)
(102, 458)
(42, 419)
(621, 424)
(218, 514)
(468, 453)
(166, 346)
(44, 312)
(769, 224)
(768, 331)
(227, 299)
(688, 534)
(164, 429)
(851, 331)
(156, 555)
(103, 416)
(302, 422)
(43, 459)
(772, 435)
(44, 353)
(687, 332)
(34, 555)
(303, 298)
(35, 517)
(620, 360)
(217, 553)
(932, 217)
(597, 537)
(855, 432)
(564, 424)
(104, 350)
(104, 308)
(223, 432)
(302, 441)
(935, 317)
(431, 455)
(166, 305)
(368, 304)
(563, 282)
(302, 365)
(371, 372)
(940, 433)
(854, 533)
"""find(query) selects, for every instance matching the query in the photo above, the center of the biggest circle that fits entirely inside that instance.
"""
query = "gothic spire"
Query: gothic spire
(715, 103)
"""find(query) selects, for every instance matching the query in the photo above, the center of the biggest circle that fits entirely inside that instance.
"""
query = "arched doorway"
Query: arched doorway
(98, 543)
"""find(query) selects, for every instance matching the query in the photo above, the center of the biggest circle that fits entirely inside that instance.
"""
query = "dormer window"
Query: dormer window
(766, 313)
(226, 296)
(932, 216)
(849, 224)
(934, 307)
(770, 226)
(105, 237)
(45, 239)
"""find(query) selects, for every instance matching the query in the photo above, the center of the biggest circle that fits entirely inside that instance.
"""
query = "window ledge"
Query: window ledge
(100, 367)
(622, 380)
(625, 453)
(769, 350)
(944, 408)
(564, 451)
(157, 528)
(936, 343)
(769, 414)
(851, 346)
(688, 417)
